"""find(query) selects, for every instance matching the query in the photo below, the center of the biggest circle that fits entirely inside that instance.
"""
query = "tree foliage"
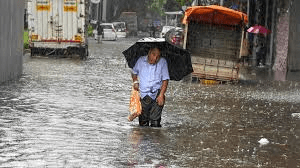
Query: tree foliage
(160, 6)
(156, 6)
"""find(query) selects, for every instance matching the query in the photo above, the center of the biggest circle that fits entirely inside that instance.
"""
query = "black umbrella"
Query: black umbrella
(178, 59)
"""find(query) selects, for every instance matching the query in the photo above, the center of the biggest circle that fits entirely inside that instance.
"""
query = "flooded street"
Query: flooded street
(73, 113)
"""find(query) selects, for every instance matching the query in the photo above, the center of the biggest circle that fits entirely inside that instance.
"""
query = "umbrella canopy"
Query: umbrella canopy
(258, 29)
(214, 14)
(178, 59)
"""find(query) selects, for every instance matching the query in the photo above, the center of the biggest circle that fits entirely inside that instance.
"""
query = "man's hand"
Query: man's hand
(135, 82)
(160, 100)
(136, 86)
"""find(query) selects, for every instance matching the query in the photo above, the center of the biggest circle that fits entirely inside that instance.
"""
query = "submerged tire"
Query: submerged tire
(32, 52)
(83, 52)
(87, 52)
(60, 52)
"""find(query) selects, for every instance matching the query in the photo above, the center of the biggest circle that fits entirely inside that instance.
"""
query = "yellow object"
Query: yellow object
(43, 5)
(135, 106)
(70, 8)
(34, 37)
(78, 37)
(209, 82)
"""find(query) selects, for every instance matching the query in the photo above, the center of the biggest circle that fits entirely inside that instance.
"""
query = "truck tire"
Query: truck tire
(83, 53)
(86, 50)
(32, 52)
(43, 51)
(60, 53)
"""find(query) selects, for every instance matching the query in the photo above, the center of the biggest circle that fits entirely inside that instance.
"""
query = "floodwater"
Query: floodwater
(73, 113)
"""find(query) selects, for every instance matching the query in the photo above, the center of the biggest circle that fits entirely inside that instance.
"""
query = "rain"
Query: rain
(72, 112)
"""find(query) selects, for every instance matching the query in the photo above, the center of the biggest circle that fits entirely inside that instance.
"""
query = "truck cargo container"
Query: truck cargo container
(130, 19)
(214, 35)
(58, 27)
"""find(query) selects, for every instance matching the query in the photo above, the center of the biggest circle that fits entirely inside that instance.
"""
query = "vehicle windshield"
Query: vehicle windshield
(167, 28)
(107, 26)
(120, 26)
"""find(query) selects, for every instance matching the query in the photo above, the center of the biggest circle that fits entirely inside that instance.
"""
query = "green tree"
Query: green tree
(184, 2)
(156, 6)
(172, 5)
(160, 6)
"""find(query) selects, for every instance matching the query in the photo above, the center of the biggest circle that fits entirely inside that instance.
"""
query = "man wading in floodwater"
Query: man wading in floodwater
(153, 74)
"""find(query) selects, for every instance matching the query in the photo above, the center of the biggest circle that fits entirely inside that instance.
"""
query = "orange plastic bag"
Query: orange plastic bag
(135, 107)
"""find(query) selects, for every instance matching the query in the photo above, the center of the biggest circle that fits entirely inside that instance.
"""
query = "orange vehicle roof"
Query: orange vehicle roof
(214, 14)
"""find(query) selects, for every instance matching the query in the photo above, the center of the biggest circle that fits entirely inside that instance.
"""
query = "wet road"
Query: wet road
(73, 113)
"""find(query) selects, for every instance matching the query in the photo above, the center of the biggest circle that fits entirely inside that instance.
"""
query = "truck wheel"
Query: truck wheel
(43, 51)
(87, 52)
(32, 52)
(83, 53)
(60, 52)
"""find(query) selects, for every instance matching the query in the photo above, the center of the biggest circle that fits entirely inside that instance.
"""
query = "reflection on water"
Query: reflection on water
(146, 147)
(73, 113)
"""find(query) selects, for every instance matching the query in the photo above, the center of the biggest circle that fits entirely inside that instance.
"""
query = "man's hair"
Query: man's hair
(154, 48)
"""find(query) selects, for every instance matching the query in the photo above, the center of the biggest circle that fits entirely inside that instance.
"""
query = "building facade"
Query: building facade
(294, 34)
(11, 39)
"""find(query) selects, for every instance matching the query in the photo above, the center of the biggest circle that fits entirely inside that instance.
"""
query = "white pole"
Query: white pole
(97, 13)
(222, 2)
(185, 35)
(166, 20)
(104, 14)
(242, 42)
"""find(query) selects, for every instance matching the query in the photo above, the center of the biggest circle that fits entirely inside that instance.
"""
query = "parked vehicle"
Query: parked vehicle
(214, 36)
(130, 19)
(172, 20)
(164, 30)
(120, 29)
(95, 33)
(58, 27)
(109, 31)
(175, 36)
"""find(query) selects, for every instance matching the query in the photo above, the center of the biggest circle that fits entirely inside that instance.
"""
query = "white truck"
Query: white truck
(58, 27)
(130, 19)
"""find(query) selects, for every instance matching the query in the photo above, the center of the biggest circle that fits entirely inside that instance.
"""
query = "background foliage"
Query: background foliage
(160, 6)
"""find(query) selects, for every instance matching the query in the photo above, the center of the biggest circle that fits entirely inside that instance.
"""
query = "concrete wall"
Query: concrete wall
(11, 38)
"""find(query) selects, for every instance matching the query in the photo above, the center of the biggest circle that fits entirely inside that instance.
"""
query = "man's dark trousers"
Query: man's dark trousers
(151, 111)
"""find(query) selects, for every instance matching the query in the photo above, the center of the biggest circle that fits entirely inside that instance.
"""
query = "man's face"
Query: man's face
(154, 56)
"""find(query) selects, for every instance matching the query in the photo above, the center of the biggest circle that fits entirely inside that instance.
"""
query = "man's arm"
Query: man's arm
(134, 77)
(163, 88)
(135, 81)
(161, 97)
